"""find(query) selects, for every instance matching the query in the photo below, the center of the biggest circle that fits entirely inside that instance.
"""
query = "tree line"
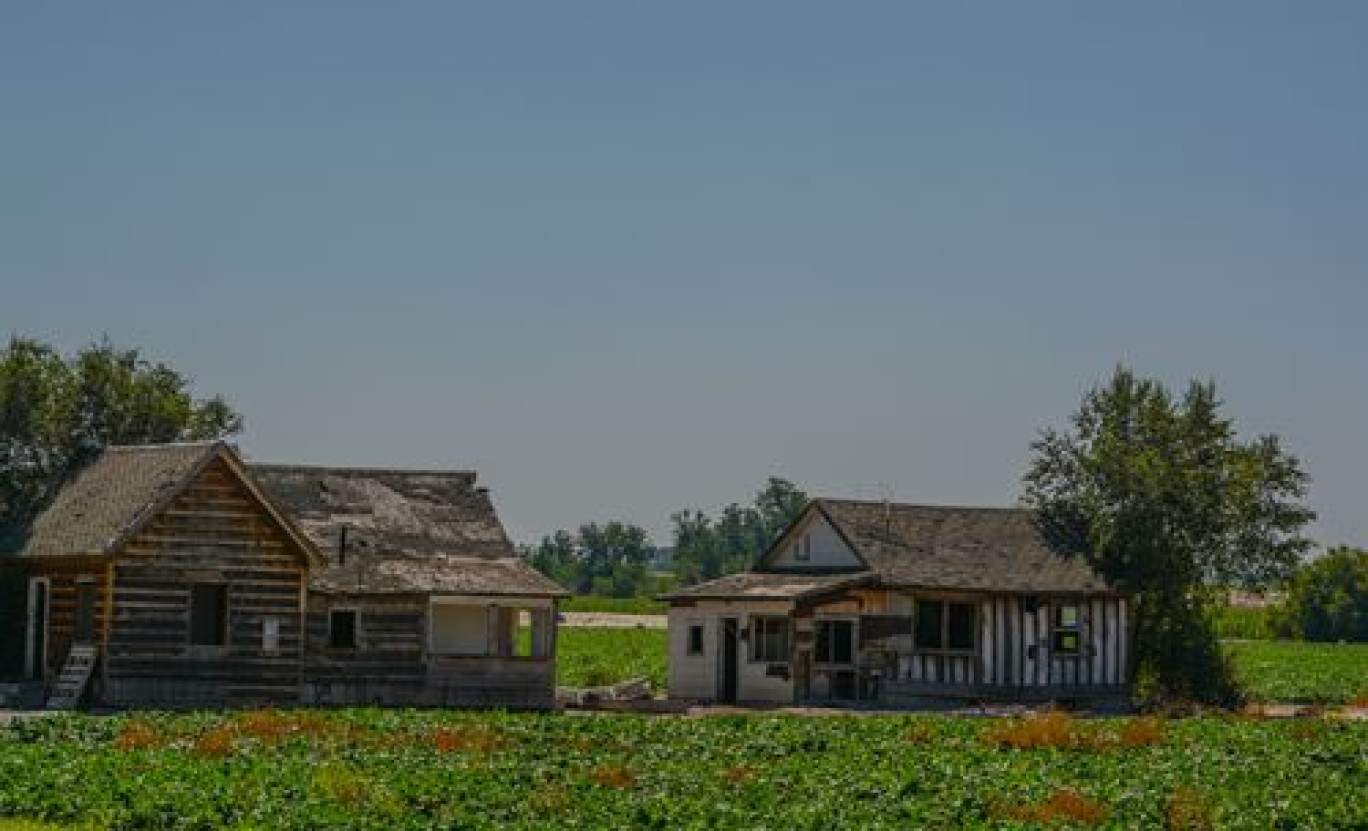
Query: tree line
(614, 559)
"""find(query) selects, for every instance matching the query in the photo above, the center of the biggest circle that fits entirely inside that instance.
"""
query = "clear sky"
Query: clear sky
(634, 257)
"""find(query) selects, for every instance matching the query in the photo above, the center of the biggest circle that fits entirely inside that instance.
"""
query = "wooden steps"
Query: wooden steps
(71, 683)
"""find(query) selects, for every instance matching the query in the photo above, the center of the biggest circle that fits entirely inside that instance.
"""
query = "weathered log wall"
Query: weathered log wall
(213, 533)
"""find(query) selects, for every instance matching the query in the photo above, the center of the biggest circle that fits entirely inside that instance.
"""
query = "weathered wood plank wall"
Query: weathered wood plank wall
(214, 533)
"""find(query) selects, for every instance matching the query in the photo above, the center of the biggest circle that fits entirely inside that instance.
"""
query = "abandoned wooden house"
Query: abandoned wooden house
(423, 600)
(174, 575)
(893, 605)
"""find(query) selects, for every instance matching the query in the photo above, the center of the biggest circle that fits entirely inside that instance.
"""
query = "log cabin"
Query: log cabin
(176, 576)
(884, 604)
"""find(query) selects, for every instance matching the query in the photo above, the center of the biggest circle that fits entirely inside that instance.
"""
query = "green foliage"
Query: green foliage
(610, 560)
(56, 412)
(704, 549)
(613, 560)
(1244, 622)
(597, 657)
(408, 769)
(1300, 671)
(615, 605)
(1327, 599)
(1160, 494)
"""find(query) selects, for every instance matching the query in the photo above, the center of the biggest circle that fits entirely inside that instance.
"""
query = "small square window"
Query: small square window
(770, 639)
(1067, 638)
(342, 629)
(695, 645)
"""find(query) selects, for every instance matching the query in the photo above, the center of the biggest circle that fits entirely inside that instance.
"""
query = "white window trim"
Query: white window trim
(1056, 628)
(689, 651)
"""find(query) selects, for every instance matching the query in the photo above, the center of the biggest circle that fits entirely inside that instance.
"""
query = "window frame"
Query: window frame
(802, 548)
(702, 647)
(755, 625)
(356, 628)
(1057, 628)
(943, 646)
(224, 626)
(832, 620)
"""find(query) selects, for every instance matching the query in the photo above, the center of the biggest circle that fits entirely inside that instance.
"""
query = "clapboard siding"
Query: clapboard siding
(214, 531)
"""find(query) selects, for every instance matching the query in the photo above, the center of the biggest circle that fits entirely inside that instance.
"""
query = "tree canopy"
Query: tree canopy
(1327, 598)
(56, 412)
(1165, 499)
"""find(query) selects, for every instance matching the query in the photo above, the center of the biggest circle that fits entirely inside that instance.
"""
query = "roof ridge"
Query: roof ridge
(359, 470)
(879, 503)
(152, 446)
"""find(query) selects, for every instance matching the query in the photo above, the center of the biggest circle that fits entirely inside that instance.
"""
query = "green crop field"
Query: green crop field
(1301, 671)
(594, 657)
(397, 769)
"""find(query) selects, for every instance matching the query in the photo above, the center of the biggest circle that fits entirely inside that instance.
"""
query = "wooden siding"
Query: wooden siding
(63, 576)
(391, 665)
(213, 532)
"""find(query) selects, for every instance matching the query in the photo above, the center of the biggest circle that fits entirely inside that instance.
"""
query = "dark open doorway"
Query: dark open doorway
(726, 686)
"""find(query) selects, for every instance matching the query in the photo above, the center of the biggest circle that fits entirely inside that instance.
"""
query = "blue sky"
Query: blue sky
(628, 258)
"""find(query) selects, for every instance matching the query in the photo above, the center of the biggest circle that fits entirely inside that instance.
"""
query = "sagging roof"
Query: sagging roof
(407, 531)
(762, 585)
(920, 547)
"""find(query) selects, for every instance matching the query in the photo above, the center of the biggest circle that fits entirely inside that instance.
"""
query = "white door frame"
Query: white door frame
(36, 665)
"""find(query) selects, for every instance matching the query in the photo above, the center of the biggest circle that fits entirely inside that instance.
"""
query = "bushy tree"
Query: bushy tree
(609, 560)
(1327, 599)
(56, 412)
(704, 549)
(1161, 495)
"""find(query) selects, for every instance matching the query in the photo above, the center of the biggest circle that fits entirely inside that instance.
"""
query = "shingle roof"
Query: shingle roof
(762, 585)
(108, 498)
(922, 546)
(408, 531)
(988, 549)
(431, 573)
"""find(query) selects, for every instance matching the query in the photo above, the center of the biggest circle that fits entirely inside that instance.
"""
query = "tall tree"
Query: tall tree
(56, 412)
(1166, 501)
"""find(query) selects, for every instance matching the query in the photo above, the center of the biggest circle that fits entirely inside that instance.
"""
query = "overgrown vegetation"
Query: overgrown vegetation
(1162, 496)
(399, 769)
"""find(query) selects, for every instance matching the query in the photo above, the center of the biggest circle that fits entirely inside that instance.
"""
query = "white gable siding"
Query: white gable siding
(824, 547)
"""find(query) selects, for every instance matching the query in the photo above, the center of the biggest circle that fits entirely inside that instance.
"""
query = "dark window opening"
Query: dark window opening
(946, 626)
(835, 641)
(770, 639)
(342, 629)
(696, 639)
(208, 614)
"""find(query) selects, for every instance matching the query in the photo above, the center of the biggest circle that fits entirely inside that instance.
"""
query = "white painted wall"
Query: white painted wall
(695, 677)
(824, 547)
(459, 630)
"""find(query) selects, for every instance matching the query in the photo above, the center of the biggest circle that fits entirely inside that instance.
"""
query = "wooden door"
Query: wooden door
(36, 648)
(85, 611)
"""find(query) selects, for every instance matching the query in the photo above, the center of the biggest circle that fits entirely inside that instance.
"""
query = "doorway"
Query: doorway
(85, 610)
(35, 646)
(726, 686)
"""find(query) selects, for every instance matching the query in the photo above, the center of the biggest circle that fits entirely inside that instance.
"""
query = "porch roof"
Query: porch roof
(768, 585)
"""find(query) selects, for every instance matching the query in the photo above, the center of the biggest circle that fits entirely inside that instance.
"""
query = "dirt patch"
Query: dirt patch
(613, 620)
